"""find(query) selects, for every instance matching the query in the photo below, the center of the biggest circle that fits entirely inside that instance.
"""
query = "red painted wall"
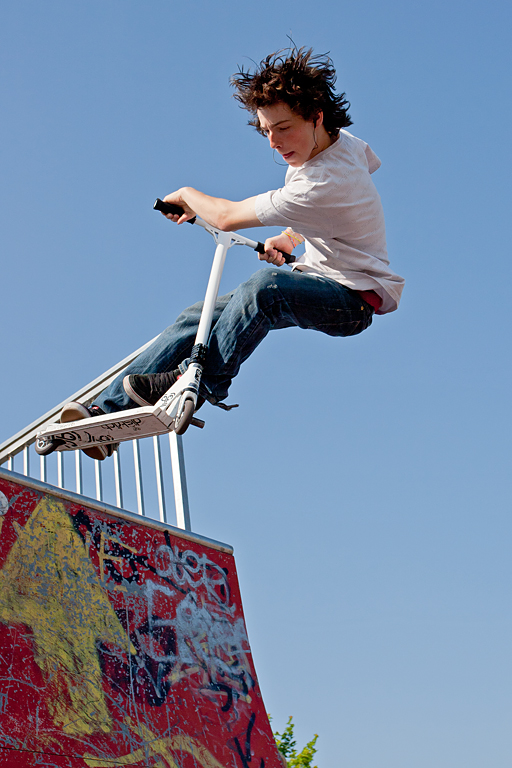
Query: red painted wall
(120, 644)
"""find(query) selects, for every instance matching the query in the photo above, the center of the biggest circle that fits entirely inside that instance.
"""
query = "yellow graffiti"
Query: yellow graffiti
(49, 584)
(155, 748)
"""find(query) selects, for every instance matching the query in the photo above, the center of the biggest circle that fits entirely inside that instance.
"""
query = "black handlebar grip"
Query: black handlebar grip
(159, 205)
(288, 257)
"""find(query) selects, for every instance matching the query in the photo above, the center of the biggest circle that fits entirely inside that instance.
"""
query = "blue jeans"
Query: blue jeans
(270, 299)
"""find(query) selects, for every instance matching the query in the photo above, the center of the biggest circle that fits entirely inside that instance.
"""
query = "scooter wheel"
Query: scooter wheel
(182, 423)
(46, 445)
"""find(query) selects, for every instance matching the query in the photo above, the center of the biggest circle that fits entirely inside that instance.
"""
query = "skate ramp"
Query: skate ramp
(122, 641)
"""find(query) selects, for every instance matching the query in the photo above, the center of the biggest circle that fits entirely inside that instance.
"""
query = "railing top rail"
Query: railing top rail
(26, 436)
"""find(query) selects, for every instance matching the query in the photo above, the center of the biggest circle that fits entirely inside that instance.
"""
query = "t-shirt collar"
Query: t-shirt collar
(323, 153)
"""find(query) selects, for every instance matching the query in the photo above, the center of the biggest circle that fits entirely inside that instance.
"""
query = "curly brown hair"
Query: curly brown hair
(298, 78)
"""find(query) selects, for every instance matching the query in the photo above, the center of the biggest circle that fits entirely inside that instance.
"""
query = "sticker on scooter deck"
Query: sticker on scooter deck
(121, 643)
(136, 423)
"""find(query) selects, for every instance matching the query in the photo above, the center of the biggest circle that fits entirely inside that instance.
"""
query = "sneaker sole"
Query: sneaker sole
(75, 412)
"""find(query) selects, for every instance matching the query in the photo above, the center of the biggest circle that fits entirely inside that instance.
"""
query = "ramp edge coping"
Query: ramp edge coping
(101, 506)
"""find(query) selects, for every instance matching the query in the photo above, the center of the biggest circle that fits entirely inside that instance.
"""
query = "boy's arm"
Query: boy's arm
(226, 215)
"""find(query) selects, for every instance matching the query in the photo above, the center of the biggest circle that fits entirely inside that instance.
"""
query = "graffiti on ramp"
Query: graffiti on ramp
(120, 644)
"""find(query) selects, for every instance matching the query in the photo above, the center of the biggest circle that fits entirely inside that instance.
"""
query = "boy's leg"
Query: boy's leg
(270, 299)
(273, 299)
(165, 354)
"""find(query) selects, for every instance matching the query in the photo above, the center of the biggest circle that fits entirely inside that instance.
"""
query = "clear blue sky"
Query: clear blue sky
(365, 483)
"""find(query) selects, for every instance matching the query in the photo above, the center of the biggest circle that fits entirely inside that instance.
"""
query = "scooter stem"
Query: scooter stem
(224, 241)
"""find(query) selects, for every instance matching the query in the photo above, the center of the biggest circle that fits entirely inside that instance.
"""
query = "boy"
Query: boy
(328, 201)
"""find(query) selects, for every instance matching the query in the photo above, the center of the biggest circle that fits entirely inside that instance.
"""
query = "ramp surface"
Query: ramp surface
(122, 641)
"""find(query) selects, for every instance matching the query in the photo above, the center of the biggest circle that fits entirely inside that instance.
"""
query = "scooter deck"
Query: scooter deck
(129, 425)
(117, 427)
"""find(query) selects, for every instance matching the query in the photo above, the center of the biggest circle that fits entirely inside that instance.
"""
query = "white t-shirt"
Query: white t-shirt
(332, 201)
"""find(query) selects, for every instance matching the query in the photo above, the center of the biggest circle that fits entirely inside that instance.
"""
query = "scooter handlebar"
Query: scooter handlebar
(166, 208)
(159, 205)
(288, 257)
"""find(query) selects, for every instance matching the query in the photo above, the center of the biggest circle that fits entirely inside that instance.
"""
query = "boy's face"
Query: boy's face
(294, 138)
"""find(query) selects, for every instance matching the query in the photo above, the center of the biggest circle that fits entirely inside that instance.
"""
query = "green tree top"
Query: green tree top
(286, 745)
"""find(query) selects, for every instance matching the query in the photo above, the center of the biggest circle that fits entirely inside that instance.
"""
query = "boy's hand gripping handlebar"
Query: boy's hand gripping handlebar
(255, 245)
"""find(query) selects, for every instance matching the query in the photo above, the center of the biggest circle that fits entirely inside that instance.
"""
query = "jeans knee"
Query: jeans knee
(262, 286)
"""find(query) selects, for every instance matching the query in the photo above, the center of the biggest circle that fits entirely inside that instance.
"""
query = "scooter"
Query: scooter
(175, 409)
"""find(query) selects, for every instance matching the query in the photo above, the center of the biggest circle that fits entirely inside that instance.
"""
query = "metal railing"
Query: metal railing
(110, 479)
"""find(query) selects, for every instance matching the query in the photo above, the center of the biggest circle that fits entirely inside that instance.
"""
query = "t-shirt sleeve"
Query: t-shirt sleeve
(305, 207)
(264, 209)
(374, 162)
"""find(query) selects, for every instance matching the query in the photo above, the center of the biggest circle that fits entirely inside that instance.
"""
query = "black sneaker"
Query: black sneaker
(77, 411)
(148, 388)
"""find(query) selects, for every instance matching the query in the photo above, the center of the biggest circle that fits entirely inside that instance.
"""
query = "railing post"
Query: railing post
(60, 470)
(99, 480)
(78, 471)
(118, 480)
(42, 469)
(180, 481)
(159, 479)
(138, 478)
